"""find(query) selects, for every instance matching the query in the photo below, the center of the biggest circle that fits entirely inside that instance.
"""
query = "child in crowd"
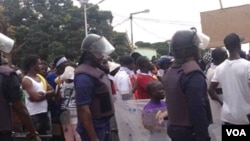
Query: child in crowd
(155, 111)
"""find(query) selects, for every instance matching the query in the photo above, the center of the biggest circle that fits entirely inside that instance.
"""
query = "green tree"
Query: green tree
(162, 48)
(54, 27)
(7, 29)
(121, 44)
(48, 28)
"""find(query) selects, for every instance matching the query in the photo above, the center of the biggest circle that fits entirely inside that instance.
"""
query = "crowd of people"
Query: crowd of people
(74, 101)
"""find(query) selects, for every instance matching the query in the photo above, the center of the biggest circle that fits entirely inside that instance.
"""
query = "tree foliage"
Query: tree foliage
(162, 48)
(121, 44)
(53, 27)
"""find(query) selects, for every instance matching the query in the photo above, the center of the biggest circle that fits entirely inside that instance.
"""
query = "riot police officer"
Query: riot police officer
(93, 89)
(11, 98)
(186, 90)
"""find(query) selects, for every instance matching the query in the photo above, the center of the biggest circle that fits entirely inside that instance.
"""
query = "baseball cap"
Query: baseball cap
(233, 39)
(165, 60)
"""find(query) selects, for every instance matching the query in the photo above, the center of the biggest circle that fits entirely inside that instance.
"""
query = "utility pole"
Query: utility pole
(85, 19)
(221, 6)
(84, 4)
(169, 44)
(131, 25)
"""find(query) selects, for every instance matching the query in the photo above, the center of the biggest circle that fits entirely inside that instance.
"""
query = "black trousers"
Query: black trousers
(41, 123)
(181, 133)
(5, 136)
(177, 133)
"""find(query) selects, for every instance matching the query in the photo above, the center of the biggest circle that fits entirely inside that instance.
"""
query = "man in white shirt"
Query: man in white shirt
(122, 81)
(233, 75)
(36, 90)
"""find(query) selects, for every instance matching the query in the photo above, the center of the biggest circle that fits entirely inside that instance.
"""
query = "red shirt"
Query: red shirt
(142, 82)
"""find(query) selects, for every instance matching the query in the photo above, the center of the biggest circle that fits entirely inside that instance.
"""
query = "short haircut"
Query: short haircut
(135, 55)
(151, 85)
(126, 60)
(219, 55)
(142, 61)
(29, 61)
(231, 41)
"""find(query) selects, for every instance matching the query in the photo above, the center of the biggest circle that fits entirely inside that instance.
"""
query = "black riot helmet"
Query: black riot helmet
(185, 44)
(99, 46)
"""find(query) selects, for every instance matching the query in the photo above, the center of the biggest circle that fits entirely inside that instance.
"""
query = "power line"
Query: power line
(119, 15)
(163, 21)
(100, 2)
(119, 23)
(151, 33)
(184, 23)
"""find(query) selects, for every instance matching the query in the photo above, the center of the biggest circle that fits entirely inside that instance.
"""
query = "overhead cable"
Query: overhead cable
(151, 33)
(121, 22)
(163, 21)
(184, 23)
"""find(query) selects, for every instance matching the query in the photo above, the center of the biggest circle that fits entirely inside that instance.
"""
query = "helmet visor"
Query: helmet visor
(202, 41)
(6, 43)
(101, 48)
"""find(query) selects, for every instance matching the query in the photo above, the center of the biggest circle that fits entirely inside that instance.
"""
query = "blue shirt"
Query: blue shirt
(54, 107)
(51, 79)
(84, 87)
(194, 87)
